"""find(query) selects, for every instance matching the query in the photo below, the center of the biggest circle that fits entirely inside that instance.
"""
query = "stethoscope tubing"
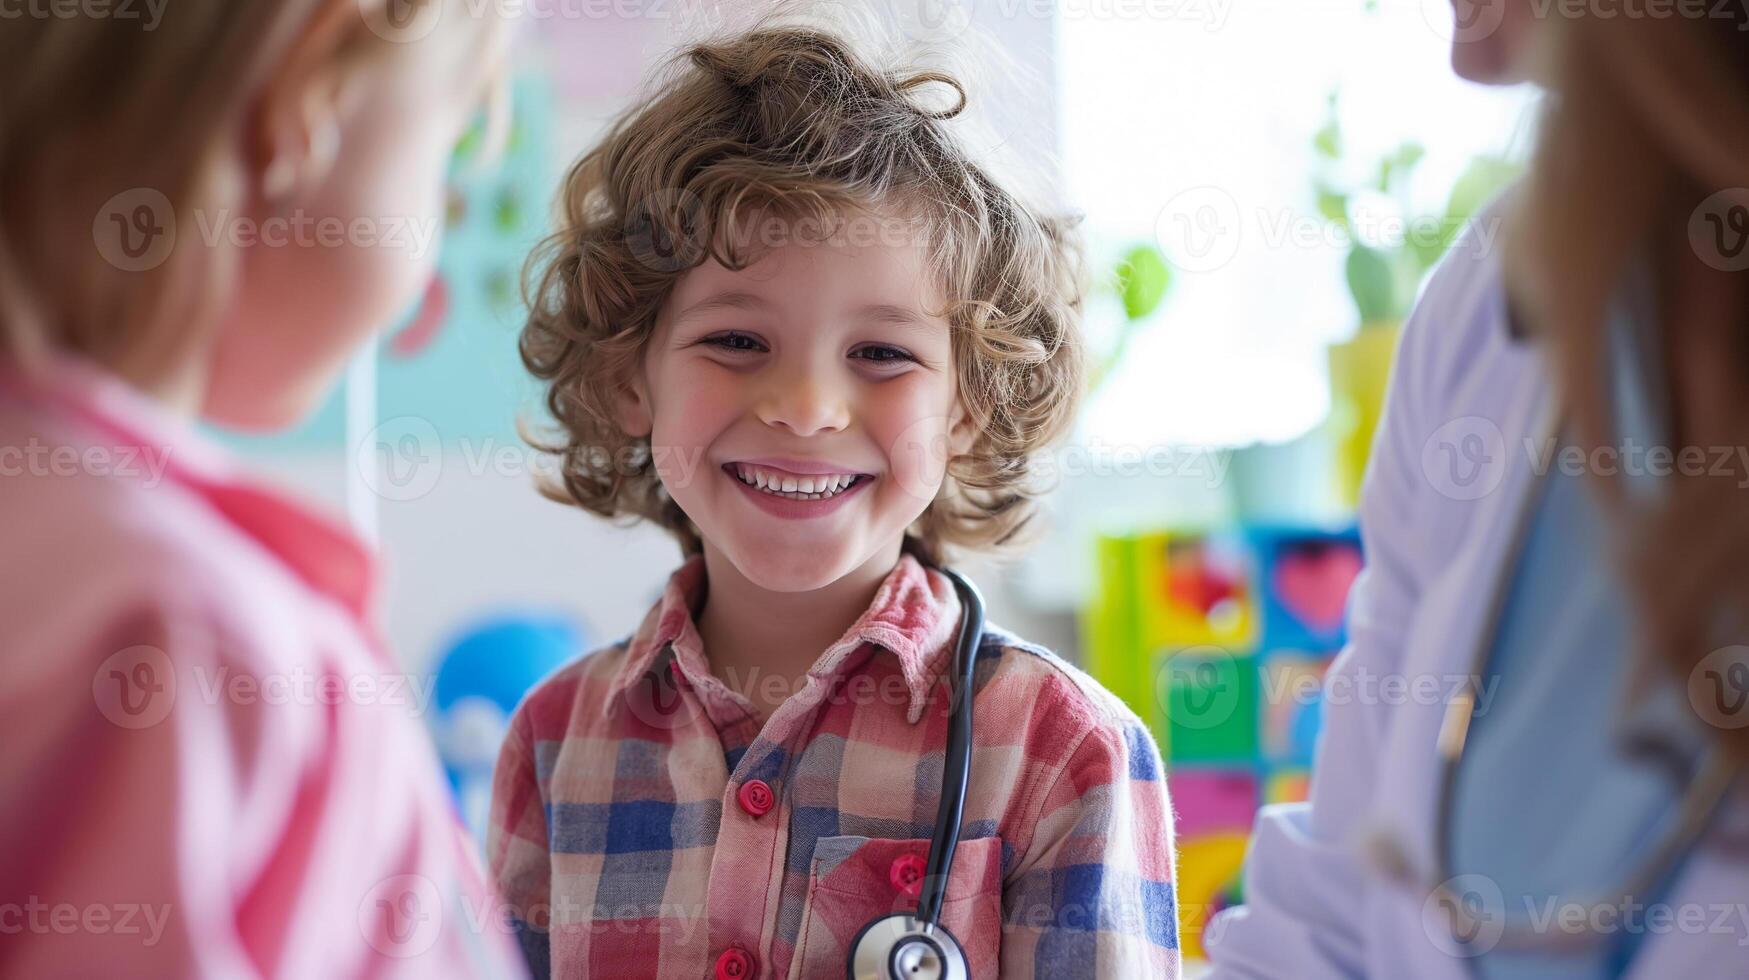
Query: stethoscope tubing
(1707, 789)
(956, 761)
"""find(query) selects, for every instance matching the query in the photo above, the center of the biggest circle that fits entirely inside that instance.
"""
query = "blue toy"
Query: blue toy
(480, 681)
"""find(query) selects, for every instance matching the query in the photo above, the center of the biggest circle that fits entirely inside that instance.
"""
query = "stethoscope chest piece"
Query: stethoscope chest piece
(902, 947)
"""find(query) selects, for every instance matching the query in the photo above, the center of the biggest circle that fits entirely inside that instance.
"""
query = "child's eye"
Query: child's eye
(735, 341)
(882, 354)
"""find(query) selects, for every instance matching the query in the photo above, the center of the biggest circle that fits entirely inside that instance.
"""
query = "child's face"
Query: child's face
(344, 253)
(819, 361)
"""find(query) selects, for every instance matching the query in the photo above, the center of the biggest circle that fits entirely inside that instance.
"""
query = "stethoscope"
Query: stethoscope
(915, 945)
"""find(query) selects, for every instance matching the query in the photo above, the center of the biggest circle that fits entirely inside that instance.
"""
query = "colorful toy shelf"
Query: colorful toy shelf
(1219, 639)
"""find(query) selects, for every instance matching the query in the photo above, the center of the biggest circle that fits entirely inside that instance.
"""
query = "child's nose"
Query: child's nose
(804, 406)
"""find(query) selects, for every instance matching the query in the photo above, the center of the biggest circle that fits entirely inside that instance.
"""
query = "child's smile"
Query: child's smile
(819, 385)
(794, 488)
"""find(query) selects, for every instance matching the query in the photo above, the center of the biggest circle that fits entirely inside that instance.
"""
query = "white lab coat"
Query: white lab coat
(1436, 518)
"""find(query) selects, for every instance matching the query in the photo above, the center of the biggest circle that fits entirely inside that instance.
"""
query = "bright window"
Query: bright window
(1176, 123)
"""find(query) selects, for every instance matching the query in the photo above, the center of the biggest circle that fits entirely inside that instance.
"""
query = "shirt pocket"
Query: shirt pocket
(855, 880)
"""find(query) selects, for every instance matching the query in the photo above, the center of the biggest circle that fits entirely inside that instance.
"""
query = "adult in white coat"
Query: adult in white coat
(1531, 758)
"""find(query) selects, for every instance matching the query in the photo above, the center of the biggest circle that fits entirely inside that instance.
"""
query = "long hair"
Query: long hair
(1646, 134)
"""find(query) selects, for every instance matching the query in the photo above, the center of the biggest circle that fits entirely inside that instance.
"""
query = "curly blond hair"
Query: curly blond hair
(791, 120)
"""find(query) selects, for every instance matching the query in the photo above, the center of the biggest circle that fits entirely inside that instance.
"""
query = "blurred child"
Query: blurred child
(790, 319)
(211, 767)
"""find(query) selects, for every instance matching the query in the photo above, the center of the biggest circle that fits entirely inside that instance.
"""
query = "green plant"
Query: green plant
(1383, 277)
(1141, 280)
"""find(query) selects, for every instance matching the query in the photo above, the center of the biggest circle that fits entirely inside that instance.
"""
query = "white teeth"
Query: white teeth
(799, 488)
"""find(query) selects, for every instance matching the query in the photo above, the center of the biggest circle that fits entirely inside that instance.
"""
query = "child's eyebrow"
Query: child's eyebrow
(736, 299)
(731, 300)
(901, 316)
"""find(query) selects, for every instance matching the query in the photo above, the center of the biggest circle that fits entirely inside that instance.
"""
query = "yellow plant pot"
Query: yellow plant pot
(1359, 370)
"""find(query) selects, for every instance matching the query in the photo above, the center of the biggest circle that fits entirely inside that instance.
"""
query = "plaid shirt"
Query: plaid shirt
(644, 823)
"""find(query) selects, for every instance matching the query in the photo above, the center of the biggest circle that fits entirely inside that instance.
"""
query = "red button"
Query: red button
(906, 874)
(736, 964)
(755, 797)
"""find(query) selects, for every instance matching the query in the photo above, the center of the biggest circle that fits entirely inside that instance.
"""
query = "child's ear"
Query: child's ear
(962, 431)
(633, 411)
(294, 125)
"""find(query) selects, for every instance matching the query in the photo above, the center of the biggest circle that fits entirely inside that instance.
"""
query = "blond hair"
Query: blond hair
(1646, 121)
(100, 110)
(791, 120)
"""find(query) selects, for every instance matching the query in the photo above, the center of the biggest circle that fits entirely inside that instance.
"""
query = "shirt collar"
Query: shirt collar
(914, 617)
(324, 555)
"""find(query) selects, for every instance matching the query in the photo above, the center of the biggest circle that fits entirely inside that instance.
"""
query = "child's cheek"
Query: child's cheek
(915, 441)
(692, 409)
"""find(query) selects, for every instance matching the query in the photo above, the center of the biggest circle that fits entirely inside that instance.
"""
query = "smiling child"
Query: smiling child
(789, 318)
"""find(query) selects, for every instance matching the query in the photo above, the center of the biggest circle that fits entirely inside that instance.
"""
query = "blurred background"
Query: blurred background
(1265, 185)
